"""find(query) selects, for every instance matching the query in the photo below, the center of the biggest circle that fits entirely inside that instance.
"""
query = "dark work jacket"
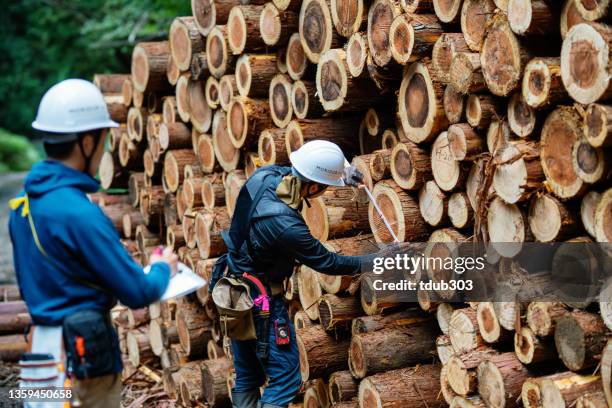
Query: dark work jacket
(278, 235)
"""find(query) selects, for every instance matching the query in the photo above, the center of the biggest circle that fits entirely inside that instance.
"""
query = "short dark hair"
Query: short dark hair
(61, 151)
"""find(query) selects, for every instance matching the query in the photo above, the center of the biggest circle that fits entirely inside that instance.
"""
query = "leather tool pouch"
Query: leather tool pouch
(89, 344)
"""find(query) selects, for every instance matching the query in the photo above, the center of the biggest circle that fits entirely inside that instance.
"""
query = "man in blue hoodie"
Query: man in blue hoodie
(68, 256)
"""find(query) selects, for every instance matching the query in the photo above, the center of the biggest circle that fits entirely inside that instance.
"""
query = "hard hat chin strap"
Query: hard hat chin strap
(88, 157)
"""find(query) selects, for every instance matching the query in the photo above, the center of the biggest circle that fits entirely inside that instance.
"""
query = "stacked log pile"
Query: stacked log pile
(14, 319)
(471, 120)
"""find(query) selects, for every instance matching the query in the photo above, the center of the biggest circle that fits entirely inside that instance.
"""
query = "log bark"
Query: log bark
(320, 354)
(217, 53)
(335, 86)
(342, 387)
(461, 369)
(243, 29)
(213, 192)
(335, 214)
(530, 349)
(215, 390)
(174, 165)
(149, 60)
(482, 110)
(246, 118)
(532, 18)
(271, 147)
(14, 323)
(110, 83)
(368, 324)
(406, 387)
(174, 136)
(550, 220)
(276, 25)
(443, 52)
(580, 338)
(420, 103)
(254, 73)
(193, 329)
(337, 312)
(585, 49)
(463, 330)
(556, 390)
(465, 73)
(207, 13)
(542, 85)
(391, 348)
(338, 130)
(522, 118)
(560, 132)
(316, 31)
(12, 347)
(208, 226)
(199, 67)
(603, 223)
(185, 40)
(412, 36)
(138, 346)
(309, 291)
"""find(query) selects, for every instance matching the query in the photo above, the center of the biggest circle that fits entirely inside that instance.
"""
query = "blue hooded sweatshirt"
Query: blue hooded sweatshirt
(84, 247)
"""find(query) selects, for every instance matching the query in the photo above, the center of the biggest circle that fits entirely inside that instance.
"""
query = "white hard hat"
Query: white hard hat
(320, 161)
(72, 106)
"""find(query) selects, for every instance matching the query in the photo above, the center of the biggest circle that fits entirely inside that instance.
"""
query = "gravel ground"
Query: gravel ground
(10, 185)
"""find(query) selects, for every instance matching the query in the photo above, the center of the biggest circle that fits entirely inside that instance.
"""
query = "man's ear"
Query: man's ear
(89, 144)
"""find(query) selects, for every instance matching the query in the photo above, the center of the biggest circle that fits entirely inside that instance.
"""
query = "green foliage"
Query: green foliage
(17, 153)
(45, 41)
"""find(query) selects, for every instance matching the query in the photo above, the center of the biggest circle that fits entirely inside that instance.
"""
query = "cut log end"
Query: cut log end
(584, 62)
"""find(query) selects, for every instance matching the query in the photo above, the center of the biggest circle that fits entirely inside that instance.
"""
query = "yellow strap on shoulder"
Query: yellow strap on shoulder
(17, 202)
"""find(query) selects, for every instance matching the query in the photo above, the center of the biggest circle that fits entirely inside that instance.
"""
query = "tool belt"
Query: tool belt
(89, 344)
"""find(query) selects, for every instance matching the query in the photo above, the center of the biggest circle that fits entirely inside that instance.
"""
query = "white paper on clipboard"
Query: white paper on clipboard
(181, 284)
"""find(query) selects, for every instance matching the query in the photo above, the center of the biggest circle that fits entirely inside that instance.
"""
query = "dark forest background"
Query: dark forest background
(45, 41)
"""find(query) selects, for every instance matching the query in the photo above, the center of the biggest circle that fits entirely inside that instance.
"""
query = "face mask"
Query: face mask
(289, 191)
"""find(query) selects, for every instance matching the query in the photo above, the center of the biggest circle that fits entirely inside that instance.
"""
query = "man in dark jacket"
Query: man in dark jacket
(67, 254)
(265, 241)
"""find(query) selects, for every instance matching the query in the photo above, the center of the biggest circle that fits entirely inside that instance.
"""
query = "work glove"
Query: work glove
(352, 176)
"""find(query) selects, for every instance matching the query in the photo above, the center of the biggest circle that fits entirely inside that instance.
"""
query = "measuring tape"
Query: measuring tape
(382, 216)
